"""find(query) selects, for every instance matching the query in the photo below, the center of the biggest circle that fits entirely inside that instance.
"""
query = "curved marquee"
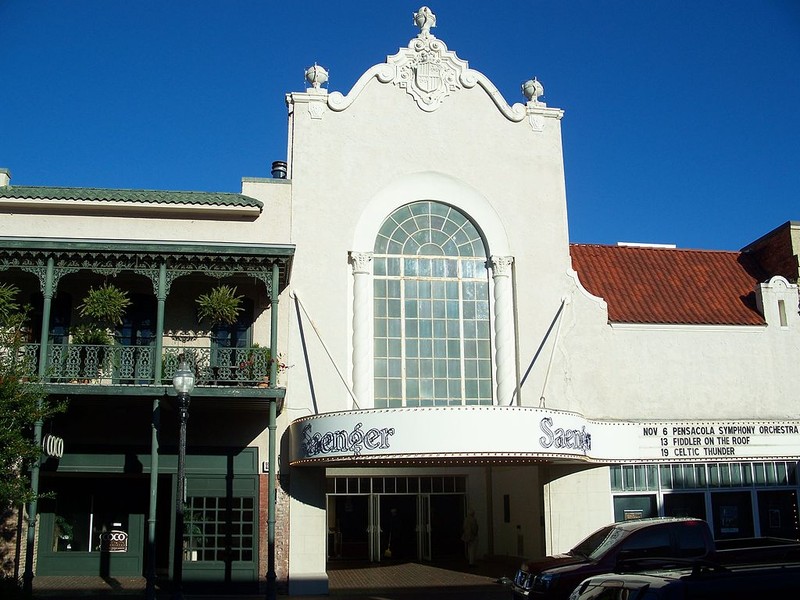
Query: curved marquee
(526, 434)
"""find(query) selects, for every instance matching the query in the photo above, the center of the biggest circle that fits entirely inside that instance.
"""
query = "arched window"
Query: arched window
(431, 295)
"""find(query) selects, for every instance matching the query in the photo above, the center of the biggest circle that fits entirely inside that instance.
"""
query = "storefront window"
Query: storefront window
(630, 507)
(93, 515)
(739, 499)
(777, 514)
(691, 504)
(218, 529)
(733, 514)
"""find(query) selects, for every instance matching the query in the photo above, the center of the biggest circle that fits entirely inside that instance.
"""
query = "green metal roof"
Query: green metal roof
(136, 196)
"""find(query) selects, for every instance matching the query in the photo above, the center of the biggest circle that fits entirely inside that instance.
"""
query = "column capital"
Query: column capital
(361, 261)
(501, 265)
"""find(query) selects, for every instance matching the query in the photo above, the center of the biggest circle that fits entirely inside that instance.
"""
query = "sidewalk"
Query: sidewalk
(344, 580)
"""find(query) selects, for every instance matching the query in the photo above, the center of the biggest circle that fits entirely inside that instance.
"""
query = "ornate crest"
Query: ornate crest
(428, 76)
(428, 71)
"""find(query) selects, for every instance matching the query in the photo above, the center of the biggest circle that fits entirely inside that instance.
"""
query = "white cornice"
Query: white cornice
(116, 208)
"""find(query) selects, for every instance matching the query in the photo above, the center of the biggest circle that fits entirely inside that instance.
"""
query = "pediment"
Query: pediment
(428, 73)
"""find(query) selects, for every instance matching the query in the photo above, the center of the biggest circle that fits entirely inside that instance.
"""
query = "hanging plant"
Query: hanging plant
(105, 306)
(102, 309)
(220, 306)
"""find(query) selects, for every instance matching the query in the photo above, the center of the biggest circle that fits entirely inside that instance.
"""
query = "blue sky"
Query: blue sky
(682, 122)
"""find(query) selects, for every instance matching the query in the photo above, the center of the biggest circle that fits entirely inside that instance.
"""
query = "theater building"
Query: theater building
(447, 347)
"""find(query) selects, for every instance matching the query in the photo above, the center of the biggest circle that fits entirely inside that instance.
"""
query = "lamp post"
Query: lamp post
(183, 382)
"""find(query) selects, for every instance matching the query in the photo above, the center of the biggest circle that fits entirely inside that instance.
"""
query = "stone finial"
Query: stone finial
(316, 76)
(424, 19)
(532, 90)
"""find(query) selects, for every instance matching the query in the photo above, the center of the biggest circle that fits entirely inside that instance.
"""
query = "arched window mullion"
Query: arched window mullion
(419, 236)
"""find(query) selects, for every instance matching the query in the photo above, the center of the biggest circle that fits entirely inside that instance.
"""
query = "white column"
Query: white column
(308, 542)
(362, 328)
(504, 328)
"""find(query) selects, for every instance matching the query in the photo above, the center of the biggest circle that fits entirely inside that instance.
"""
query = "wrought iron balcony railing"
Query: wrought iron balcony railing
(135, 365)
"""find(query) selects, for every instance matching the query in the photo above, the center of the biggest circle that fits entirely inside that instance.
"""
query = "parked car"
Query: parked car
(700, 581)
(554, 577)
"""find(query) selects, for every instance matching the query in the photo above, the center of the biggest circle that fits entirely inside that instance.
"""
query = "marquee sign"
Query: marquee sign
(527, 433)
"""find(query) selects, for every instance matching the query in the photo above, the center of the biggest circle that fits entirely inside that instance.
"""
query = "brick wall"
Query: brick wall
(13, 531)
(281, 530)
(776, 253)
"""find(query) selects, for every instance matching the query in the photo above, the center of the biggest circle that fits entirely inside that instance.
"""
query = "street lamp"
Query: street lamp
(183, 382)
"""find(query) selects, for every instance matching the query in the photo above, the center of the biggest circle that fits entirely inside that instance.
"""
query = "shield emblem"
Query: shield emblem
(429, 77)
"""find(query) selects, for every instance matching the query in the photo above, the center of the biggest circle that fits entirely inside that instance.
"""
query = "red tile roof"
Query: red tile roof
(667, 285)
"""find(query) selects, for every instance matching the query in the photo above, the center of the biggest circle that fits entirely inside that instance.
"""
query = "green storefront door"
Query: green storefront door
(221, 518)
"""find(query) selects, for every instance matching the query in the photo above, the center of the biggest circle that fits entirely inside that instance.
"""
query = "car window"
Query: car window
(588, 546)
(691, 541)
(653, 541)
(602, 545)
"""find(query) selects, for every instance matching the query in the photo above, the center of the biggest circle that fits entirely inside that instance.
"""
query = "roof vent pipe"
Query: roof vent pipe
(279, 169)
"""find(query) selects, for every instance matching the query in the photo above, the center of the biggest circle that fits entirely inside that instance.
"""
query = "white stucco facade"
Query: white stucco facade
(354, 158)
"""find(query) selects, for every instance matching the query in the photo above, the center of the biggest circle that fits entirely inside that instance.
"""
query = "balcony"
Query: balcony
(142, 349)
(135, 365)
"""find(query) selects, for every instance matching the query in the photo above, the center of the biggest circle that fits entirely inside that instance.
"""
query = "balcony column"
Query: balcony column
(362, 328)
(272, 588)
(37, 429)
(44, 341)
(161, 297)
(155, 422)
(504, 328)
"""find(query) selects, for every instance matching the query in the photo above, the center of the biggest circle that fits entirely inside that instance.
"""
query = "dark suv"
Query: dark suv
(554, 577)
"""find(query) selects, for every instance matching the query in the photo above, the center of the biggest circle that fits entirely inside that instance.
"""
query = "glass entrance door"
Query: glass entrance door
(395, 518)
(349, 532)
(398, 518)
(424, 526)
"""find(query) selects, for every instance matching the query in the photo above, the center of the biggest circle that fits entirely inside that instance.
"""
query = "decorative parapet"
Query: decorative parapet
(428, 72)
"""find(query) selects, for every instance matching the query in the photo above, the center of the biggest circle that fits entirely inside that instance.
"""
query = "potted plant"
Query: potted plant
(105, 306)
(220, 306)
(255, 367)
(102, 309)
(279, 362)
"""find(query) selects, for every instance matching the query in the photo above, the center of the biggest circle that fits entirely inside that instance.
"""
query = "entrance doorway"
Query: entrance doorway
(407, 519)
